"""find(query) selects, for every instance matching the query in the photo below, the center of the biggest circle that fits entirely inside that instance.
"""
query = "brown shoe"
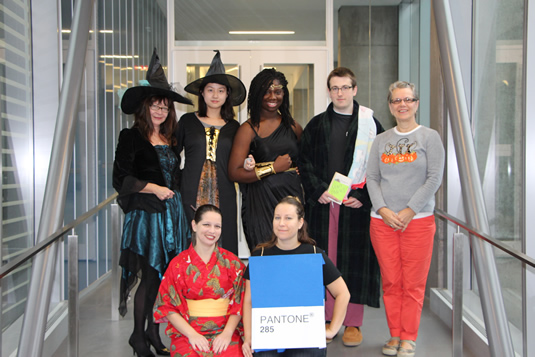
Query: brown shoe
(352, 336)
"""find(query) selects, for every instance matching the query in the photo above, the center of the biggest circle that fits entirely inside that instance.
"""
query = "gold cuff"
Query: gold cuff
(264, 169)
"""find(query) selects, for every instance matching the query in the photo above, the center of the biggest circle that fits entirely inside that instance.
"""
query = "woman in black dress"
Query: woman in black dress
(206, 137)
(146, 174)
(270, 136)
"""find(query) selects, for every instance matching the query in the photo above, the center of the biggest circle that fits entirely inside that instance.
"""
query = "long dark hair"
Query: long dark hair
(143, 121)
(259, 86)
(227, 112)
(302, 234)
(199, 213)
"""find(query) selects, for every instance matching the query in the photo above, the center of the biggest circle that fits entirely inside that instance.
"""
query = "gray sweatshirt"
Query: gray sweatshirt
(405, 170)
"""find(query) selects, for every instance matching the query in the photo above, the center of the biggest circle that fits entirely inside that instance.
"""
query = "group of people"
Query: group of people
(180, 229)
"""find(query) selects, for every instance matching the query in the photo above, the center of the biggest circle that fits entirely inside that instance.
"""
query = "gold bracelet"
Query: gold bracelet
(264, 169)
(272, 167)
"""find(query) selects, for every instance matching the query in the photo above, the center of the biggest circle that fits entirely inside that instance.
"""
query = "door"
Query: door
(306, 71)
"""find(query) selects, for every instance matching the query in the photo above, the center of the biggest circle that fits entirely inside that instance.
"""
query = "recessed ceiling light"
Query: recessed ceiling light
(91, 31)
(261, 32)
(119, 56)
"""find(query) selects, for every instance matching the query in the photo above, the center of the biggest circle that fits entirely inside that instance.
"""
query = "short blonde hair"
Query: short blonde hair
(401, 85)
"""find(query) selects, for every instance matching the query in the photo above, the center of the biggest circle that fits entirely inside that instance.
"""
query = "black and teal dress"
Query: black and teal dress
(154, 231)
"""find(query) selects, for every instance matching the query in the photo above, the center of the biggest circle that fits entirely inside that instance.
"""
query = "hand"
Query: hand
(352, 202)
(221, 342)
(249, 163)
(390, 218)
(325, 198)
(282, 163)
(330, 333)
(163, 193)
(199, 342)
(405, 216)
(246, 349)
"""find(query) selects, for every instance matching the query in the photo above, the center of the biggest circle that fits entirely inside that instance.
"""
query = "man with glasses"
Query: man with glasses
(339, 140)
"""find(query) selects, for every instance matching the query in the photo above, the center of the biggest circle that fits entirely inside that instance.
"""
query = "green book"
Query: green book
(339, 187)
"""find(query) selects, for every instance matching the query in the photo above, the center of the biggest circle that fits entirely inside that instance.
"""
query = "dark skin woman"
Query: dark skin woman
(269, 139)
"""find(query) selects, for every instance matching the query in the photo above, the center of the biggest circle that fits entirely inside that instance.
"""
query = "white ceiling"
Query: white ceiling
(211, 20)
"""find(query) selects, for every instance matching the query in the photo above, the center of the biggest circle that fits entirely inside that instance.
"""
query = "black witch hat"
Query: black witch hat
(155, 85)
(216, 74)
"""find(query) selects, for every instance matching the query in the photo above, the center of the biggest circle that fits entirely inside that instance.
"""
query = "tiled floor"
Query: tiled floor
(99, 336)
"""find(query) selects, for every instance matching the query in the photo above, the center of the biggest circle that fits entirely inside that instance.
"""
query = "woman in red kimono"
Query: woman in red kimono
(201, 294)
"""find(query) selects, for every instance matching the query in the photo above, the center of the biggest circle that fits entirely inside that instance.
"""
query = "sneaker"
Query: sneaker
(352, 336)
(407, 352)
(390, 348)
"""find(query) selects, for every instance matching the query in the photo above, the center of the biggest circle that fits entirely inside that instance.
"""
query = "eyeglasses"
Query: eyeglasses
(344, 89)
(155, 108)
(406, 100)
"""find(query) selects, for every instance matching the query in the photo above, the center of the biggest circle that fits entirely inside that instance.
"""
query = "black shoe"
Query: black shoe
(161, 350)
(140, 347)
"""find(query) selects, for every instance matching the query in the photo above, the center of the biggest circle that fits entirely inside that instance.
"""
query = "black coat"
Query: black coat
(191, 137)
(136, 164)
(355, 255)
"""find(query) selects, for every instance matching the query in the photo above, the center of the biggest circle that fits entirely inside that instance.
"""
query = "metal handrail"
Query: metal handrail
(503, 247)
(73, 278)
(42, 277)
(21, 259)
(493, 306)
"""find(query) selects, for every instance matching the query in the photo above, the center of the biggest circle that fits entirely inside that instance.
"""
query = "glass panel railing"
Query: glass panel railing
(17, 146)
(497, 125)
(514, 265)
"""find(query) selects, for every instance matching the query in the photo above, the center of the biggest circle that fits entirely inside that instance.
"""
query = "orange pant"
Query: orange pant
(404, 259)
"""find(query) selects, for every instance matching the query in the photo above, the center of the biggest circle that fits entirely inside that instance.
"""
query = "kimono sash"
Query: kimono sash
(208, 307)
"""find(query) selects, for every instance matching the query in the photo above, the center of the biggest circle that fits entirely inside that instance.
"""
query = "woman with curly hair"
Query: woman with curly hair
(264, 154)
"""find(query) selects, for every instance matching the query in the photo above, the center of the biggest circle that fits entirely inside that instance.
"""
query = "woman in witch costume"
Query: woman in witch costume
(206, 137)
(146, 175)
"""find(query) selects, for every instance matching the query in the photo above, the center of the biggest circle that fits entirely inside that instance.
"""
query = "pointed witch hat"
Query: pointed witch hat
(216, 74)
(155, 85)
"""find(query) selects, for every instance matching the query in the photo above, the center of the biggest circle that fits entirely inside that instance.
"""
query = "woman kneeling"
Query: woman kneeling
(201, 293)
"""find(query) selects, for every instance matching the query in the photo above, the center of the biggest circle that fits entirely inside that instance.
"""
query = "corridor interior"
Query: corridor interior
(100, 336)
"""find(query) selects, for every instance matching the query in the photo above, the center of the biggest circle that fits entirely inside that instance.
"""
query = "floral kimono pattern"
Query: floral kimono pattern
(188, 277)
